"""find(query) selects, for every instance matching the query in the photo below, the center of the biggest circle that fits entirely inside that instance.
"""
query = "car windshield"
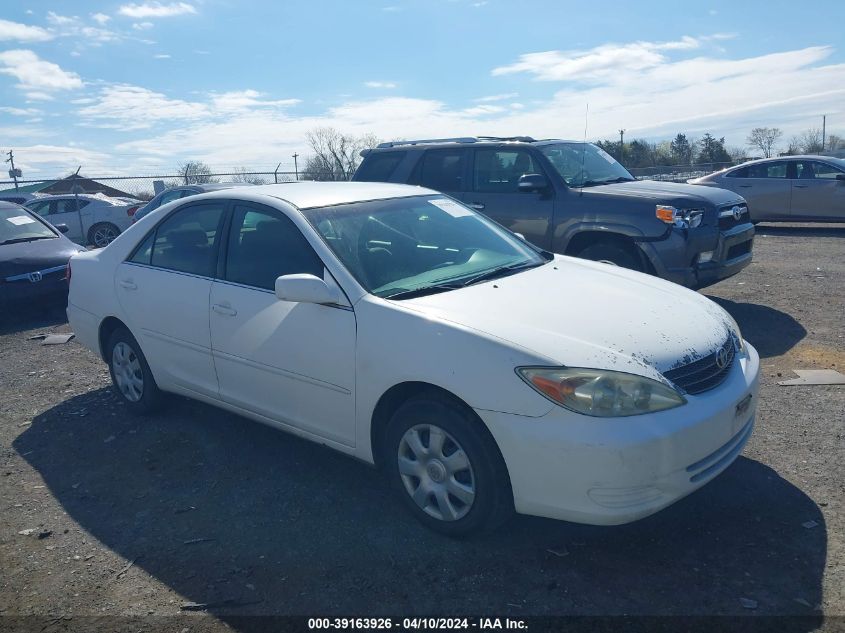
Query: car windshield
(584, 164)
(16, 225)
(406, 247)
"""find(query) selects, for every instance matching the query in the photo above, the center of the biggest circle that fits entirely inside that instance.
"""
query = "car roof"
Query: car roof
(470, 141)
(790, 157)
(308, 194)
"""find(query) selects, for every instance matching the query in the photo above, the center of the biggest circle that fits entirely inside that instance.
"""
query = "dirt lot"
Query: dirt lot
(105, 514)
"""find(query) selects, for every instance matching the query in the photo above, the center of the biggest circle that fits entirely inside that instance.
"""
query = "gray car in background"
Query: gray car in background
(183, 191)
(787, 189)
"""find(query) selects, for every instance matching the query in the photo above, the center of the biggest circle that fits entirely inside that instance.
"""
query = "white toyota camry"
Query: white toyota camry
(395, 324)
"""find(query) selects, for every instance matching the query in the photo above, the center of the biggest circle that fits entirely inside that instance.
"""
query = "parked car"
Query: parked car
(183, 191)
(18, 197)
(575, 199)
(91, 218)
(401, 327)
(33, 258)
(787, 189)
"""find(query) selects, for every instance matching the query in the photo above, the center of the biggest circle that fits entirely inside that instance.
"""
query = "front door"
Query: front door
(766, 188)
(494, 192)
(163, 289)
(293, 363)
(816, 192)
(67, 211)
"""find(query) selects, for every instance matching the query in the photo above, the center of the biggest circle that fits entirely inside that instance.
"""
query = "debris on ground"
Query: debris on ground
(815, 377)
(126, 568)
(52, 339)
(193, 541)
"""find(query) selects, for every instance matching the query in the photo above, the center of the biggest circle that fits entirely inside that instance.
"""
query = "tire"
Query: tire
(616, 253)
(461, 487)
(131, 376)
(102, 234)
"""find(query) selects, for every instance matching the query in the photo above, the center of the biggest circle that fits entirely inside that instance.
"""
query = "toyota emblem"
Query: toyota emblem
(35, 277)
(722, 358)
(737, 211)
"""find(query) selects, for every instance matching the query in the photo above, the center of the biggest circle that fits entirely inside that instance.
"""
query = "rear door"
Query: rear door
(816, 192)
(444, 170)
(164, 289)
(766, 187)
(494, 191)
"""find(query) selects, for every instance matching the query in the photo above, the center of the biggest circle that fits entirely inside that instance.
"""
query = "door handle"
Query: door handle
(477, 206)
(224, 309)
(800, 186)
(744, 186)
(128, 284)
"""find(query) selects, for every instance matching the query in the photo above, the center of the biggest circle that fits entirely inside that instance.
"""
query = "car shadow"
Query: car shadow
(801, 230)
(235, 514)
(40, 314)
(771, 332)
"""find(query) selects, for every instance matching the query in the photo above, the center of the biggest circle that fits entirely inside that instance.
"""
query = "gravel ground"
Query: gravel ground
(102, 513)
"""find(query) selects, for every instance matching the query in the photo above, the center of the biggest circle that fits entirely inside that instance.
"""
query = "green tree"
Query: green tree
(681, 150)
(712, 150)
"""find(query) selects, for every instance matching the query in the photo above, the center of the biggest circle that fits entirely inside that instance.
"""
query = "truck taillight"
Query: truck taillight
(67, 271)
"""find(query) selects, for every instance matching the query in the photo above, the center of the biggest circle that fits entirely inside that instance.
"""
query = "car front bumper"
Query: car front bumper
(608, 471)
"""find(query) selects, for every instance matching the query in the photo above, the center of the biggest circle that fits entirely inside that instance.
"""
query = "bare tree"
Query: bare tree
(764, 139)
(336, 156)
(811, 141)
(835, 142)
(195, 172)
(242, 174)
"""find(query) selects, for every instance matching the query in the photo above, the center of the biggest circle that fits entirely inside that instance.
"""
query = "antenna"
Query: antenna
(584, 148)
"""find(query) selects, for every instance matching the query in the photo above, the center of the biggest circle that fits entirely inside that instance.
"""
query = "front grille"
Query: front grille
(705, 373)
(727, 219)
(737, 250)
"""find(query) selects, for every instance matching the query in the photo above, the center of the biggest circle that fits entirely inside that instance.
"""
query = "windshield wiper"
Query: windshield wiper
(501, 271)
(593, 183)
(18, 240)
(421, 292)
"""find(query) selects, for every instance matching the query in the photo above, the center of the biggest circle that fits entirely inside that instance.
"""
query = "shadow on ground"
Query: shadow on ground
(801, 230)
(38, 314)
(772, 332)
(223, 509)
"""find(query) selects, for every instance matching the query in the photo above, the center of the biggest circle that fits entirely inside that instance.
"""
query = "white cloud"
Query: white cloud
(36, 75)
(501, 97)
(100, 18)
(596, 63)
(58, 20)
(156, 10)
(20, 111)
(162, 56)
(36, 95)
(245, 100)
(131, 108)
(380, 84)
(83, 34)
(482, 110)
(142, 26)
(14, 31)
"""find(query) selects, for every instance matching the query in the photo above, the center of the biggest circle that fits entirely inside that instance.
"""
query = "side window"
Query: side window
(186, 240)
(441, 170)
(811, 169)
(738, 173)
(768, 170)
(41, 208)
(69, 205)
(264, 244)
(378, 167)
(144, 252)
(170, 196)
(498, 171)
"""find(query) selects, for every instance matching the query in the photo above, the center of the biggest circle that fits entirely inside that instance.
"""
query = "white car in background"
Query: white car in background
(399, 326)
(91, 218)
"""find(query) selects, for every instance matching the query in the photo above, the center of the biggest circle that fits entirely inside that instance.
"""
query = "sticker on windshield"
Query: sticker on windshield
(606, 156)
(21, 219)
(451, 207)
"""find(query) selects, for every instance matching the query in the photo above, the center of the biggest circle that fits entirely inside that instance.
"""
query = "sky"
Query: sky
(139, 87)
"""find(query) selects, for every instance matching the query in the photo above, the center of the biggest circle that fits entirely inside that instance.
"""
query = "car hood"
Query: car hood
(26, 257)
(576, 313)
(666, 192)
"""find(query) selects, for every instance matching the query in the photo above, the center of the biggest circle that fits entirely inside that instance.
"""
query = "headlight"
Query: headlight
(680, 218)
(599, 392)
(735, 332)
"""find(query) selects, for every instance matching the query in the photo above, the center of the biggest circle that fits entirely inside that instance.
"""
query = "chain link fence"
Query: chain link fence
(680, 173)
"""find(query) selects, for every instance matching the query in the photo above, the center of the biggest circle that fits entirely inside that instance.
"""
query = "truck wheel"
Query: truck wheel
(102, 234)
(614, 253)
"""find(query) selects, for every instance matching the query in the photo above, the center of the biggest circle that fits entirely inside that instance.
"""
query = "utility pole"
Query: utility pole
(13, 172)
(824, 123)
(295, 165)
(621, 145)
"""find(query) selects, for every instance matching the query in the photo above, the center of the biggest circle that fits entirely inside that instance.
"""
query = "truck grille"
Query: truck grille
(728, 219)
(705, 373)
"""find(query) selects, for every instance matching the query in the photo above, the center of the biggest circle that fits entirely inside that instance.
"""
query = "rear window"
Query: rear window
(379, 167)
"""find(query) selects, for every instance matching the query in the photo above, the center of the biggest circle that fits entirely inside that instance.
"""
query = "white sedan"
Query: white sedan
(396, 325)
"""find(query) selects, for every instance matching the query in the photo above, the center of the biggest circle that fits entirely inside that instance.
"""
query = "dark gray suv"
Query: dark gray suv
(573, 198)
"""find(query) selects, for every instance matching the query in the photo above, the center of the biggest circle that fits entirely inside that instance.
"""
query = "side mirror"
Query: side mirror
(305, 289)
(840, 176)
(519, 235)
(61, 228)
(532, 182)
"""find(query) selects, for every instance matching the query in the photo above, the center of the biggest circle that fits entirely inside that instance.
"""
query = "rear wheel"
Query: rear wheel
(130, 373)
(615, 253)
(102, 234)
(447, 470)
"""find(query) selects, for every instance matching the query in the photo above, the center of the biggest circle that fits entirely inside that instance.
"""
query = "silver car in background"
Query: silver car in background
(92, 219)
(787, 188)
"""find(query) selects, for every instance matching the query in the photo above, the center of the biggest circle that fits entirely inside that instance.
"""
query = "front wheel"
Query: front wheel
(131, 376)
(617, 254)
(102, 234)
(446, 467)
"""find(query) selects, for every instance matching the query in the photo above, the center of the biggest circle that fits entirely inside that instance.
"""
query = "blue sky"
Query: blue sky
(137, 87)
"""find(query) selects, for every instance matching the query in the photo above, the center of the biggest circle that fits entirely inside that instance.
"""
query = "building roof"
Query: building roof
(65, 185)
